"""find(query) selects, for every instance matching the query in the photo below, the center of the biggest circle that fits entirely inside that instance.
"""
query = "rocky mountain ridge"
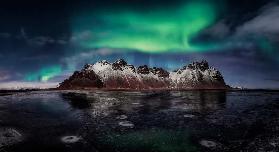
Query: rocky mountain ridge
(121, 75)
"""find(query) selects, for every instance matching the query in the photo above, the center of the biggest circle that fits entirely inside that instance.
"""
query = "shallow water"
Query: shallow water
(115, 121)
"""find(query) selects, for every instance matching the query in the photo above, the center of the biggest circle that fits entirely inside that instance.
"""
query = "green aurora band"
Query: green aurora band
(44, 74)
(153, 31)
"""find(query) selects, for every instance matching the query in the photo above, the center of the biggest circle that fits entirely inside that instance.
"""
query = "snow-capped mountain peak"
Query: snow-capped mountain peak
(121, 75)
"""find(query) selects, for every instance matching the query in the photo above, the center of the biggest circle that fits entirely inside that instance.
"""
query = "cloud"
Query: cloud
(61, 41)
(4, 75)
(5, 35)
(43, 40)
(259, 32)
(267, 22)
(273, 80)
(81, 36)
(87, 56)
(35, 58)
(40, 40)
(218, 30)
(27, 85)
(23, 33)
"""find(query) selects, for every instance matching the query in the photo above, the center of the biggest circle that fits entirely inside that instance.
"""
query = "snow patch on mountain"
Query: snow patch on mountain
(105, 70)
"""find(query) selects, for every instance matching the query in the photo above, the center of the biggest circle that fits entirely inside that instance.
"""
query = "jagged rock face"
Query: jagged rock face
(120, 75)
(203, 65)
(160, 72)
(131, 67)
(82, 79)
(197, 75)
(143, 69)
(119, 64)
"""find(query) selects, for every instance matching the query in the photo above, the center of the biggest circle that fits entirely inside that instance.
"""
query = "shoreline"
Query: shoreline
(135, 90)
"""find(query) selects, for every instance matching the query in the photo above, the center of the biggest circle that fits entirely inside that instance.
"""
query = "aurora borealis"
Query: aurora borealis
(44, 74)
(152, 31)
(46, 41)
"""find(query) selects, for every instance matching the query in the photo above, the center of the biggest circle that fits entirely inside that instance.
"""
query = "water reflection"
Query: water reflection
(199, 101)
(148, 102)
(77, 100)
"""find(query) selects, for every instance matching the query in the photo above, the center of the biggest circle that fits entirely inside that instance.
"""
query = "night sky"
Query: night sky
(43, 42)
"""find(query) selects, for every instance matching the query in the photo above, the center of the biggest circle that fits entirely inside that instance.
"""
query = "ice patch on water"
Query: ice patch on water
(122, 117)
(9, 136)
(188, 116)
(208, 143)
(126, 124)
(274, 144)
(70, 139)
(135, 103)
